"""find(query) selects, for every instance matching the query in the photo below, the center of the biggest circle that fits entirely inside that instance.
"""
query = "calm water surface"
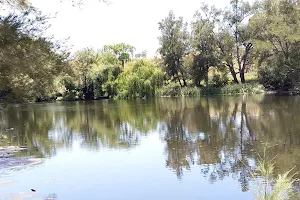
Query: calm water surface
(166, 148)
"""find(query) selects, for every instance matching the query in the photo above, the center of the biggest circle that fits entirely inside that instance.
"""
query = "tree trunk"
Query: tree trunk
(244, 62)
(206, 76)
(183, 77)
(84, 85)
(238, 57)
(242, 76)
(184, 82)
(179, 80)
(233, 73)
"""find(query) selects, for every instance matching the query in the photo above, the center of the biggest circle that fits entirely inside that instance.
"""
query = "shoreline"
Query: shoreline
(176, 91)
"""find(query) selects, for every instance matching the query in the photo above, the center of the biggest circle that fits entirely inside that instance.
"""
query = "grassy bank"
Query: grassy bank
(172, 90)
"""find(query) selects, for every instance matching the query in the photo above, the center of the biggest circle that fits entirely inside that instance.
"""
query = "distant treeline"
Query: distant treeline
(242, 43)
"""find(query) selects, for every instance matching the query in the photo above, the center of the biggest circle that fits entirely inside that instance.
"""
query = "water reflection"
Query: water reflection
(221, 135)
(212, 133)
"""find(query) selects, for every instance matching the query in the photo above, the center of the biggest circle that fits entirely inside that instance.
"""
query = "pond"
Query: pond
(164, 148)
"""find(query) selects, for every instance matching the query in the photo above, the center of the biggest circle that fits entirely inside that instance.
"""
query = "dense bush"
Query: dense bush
(104, 81)
(218, 80)
(170, 90)
(280, 75)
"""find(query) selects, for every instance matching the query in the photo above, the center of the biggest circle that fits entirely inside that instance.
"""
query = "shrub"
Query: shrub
(170, 90)
(218, 81)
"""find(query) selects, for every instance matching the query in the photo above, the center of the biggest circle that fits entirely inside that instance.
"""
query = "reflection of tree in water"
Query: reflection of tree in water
(224, 134)
(214, 134)
(110, 124)
(28, 126)
(219, 133)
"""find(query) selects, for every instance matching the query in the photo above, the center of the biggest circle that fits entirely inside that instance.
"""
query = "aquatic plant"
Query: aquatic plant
(269, 186)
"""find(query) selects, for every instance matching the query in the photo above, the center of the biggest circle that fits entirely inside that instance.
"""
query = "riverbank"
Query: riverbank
(233, 89)
(174, 90)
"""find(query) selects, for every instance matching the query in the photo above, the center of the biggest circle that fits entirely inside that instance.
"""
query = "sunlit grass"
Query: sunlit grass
(231, 89)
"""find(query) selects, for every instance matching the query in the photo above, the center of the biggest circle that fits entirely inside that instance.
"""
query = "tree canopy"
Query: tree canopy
(218, 47)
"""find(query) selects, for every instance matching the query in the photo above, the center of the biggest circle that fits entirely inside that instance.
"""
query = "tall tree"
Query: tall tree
(84, 61)
(226, 46)
(235, 17)
(203, 42)
(174, 42)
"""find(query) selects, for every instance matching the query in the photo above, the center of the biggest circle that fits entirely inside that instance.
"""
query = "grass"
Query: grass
(232, 89)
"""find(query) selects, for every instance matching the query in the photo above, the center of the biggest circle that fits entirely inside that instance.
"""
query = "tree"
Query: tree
(83, 61)
(277, 44)
(174, 46)
(29, 63)
(225, 44)
(123, 52)
(141, 78)
(203, 42)
(238, 32)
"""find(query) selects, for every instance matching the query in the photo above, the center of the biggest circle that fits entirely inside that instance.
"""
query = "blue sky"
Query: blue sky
(130, 21)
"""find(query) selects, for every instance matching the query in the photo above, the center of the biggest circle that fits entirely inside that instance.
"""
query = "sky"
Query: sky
(134, 22)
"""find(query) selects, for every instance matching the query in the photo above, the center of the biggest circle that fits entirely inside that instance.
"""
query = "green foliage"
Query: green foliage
(29, 63)
(106, 78)
(219, 80)
(104, 84)
(204, 44)
(141, 78)
(93, 73)
(235, 17)
(35, 68)
(275, 78)
(192, 91)
(277, 45)
(174, 45)
(123, 52)
(233, 89)
(71, 89)
(172, 90)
